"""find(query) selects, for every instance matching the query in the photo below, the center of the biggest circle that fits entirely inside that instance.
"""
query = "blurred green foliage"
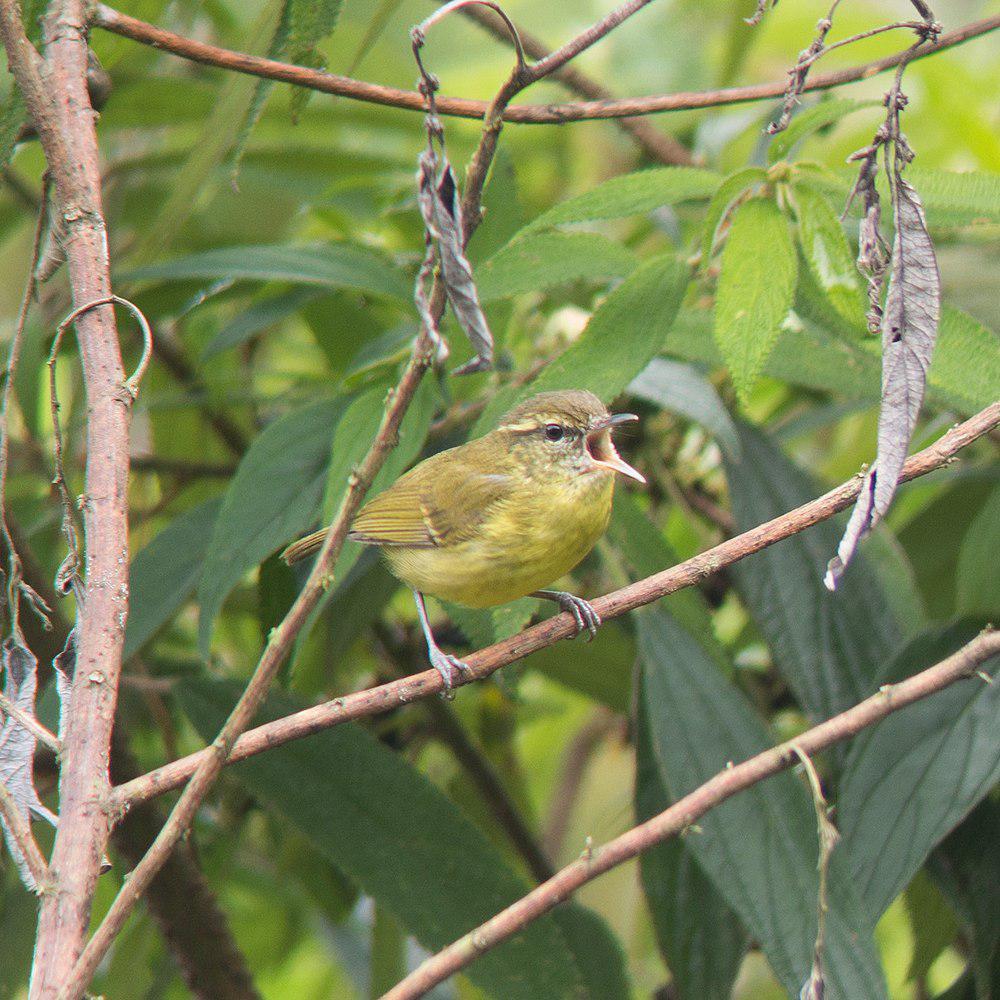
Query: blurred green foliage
(272, 242)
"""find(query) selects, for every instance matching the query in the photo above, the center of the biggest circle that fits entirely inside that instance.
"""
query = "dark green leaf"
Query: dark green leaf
(830, 648)
(274, 496)
(331, 265)
(164, 573)
(13, 115)
(699, 936)
(259, 317)
(933, 922)
(598, 955)
(540, 261)
(758, 848)
(909, 780)
(978, 582)
(756, 286)
(631, 195)
(387, 827)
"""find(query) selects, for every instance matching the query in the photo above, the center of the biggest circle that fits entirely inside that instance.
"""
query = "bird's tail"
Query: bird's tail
(304, 547)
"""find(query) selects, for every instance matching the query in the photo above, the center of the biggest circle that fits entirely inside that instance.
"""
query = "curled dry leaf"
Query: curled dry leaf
(909, 329)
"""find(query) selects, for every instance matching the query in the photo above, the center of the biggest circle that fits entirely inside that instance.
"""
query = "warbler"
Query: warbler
(502, 516)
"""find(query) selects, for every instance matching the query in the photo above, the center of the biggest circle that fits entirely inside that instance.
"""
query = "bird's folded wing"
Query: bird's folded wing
(424, 512)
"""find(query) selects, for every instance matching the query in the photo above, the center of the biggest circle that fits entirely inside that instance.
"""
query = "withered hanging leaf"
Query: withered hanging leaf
(441, 208)
(909, 329)
(17, 745)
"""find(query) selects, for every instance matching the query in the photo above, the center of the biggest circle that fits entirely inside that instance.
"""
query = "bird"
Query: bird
(499, 517)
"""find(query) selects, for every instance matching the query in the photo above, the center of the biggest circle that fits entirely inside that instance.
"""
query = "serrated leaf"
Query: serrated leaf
(682, 389)
(387, 827)
(830, 651)
(909, 329)
(700, 937)
(330, 265)
(540, 261)
(631, 194)
(756, 287)
(811, 120)
(718, 208)
(977, 581)
(164, 573)
(260, 316)
(829, 257)
(758, 848)
(966, 363)
(274, 496)
(977, 194)
(910, 779)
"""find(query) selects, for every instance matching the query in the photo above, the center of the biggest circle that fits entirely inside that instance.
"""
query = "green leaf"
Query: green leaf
(597, 952)
(682, 389)
(977, 580)
(330, 265)
(912, 778)
(165, 572)
(759, 848)
(260, 316)
(805, 123)
(933, 923)
(829, 257)
(965, 368)
(540, 261)
(830, 648)
(274, 496)
(718, 208)
(386, 826)
(700, 937)
(13, 115)
(755, 291)
(975, 194)
(631, 194)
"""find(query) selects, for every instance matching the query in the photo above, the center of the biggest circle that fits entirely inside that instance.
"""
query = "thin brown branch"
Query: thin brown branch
(532, 114)
(57, 99)
(26, 719)
(484, 662)
(679, 816)
(18, 828)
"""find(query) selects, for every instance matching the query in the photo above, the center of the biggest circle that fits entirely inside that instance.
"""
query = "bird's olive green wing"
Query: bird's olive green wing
(437, 503)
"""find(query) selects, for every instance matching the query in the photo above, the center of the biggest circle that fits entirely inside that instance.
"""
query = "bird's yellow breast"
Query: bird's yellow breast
(535, 536)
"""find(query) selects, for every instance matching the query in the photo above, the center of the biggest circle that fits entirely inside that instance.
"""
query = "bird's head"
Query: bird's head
(566, 433)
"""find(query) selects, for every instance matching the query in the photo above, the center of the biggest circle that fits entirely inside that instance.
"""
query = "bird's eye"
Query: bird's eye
(553, 432)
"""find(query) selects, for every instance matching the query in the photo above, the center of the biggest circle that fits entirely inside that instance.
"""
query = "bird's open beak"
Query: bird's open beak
(602, 449)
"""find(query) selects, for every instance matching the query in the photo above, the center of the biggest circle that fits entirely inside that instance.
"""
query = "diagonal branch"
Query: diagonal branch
(483, 663)
(674, 820)
(17, 826)
(532, 114)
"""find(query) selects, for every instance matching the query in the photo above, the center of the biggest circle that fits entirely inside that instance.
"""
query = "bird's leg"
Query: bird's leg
(442, 662)
(582, 611)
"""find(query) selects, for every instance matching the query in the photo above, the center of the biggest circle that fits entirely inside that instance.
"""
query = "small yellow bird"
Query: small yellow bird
(502, 516)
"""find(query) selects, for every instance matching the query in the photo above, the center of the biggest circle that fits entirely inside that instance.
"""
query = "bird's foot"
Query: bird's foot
(446, 665)
(586, 618)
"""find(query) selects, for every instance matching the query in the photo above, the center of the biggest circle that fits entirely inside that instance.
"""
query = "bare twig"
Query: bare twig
(484, 662)
(535, 114)
(49, 739)
(18, 827)
(687, 810)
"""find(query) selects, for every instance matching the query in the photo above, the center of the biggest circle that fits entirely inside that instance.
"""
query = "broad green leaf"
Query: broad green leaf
(274, 496)
(699, 936)
(682, 389)
(828, 255)
(718, 208)
(540, 261)
(631, 194)
(756, 286)
(977, 580)
(965, 367)
(975, 194)
(330, 265)
(829, 647)
(164, 573)
(912, 778)
(811, 120)
(597, 952)
(933, 923)
(759, 848)
(623, 335)
(260, 316)
(387, 827)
